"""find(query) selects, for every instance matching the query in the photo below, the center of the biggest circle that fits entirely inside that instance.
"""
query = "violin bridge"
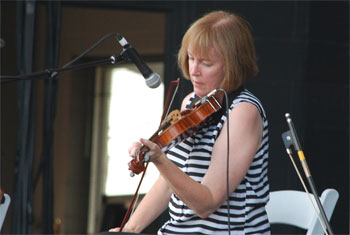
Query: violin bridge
(172, 117)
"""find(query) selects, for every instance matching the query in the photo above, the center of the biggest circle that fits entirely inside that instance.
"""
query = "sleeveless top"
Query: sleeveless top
(247, 203)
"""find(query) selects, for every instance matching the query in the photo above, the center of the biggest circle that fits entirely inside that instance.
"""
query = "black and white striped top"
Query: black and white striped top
(247, 202)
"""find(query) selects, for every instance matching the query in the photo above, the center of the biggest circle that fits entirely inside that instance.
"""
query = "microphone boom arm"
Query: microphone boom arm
(52, 73)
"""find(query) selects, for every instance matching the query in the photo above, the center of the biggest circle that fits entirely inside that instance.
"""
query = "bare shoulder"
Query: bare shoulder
(246, 112)
(246, 108)
(246, 126)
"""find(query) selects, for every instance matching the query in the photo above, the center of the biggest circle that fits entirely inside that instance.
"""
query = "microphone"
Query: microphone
(152, 78)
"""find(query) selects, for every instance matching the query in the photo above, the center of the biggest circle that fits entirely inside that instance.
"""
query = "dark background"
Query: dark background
(303, 56)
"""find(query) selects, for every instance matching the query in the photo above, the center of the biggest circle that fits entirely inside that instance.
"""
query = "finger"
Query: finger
(134, 145)
(148, 143)
(134, 148)
(114, 230)
(154, 150)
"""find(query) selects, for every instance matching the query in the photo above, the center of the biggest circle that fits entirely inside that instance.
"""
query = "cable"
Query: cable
(228, 161)
(90, 49)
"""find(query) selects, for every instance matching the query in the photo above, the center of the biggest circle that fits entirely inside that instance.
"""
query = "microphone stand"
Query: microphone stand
(52, 73)
(290, 138)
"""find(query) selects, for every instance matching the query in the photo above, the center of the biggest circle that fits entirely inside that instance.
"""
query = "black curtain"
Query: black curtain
(50, 97)
(24, 183)
(22, 204)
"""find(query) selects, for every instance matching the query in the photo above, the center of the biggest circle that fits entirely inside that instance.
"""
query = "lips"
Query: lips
(196, 83)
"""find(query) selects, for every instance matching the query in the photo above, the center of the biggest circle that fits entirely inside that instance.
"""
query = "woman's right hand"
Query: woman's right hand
(125, 229)
(114, 229)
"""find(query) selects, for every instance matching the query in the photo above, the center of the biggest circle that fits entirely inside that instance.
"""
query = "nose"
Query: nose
(194, 68)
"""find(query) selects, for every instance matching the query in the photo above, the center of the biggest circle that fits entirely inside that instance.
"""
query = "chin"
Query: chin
(201, 91)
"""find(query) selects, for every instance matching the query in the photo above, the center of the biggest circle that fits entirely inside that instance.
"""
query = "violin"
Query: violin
(177, 127)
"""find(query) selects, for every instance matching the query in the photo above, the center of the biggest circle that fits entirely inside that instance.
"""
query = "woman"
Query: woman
(217, 52)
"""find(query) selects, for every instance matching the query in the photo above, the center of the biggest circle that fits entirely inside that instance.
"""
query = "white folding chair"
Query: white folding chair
(3, 208)
(295, 208)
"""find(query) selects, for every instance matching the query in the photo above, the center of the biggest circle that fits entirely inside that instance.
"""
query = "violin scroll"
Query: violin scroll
(137, 165)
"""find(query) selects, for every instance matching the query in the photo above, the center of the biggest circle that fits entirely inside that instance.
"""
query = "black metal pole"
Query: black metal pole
(307, 172)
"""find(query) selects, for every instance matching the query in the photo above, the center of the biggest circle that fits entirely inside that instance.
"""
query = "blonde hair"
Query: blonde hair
(230, 36)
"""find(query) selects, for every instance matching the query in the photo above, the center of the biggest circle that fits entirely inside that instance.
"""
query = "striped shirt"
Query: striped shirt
(247, 203)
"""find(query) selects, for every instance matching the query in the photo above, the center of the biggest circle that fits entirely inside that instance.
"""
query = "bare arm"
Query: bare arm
(204, 198)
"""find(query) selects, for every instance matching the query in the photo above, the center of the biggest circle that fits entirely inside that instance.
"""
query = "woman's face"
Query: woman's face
(206, 73)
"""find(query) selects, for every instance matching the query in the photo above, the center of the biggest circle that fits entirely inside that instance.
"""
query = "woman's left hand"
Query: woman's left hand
(155, 153)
